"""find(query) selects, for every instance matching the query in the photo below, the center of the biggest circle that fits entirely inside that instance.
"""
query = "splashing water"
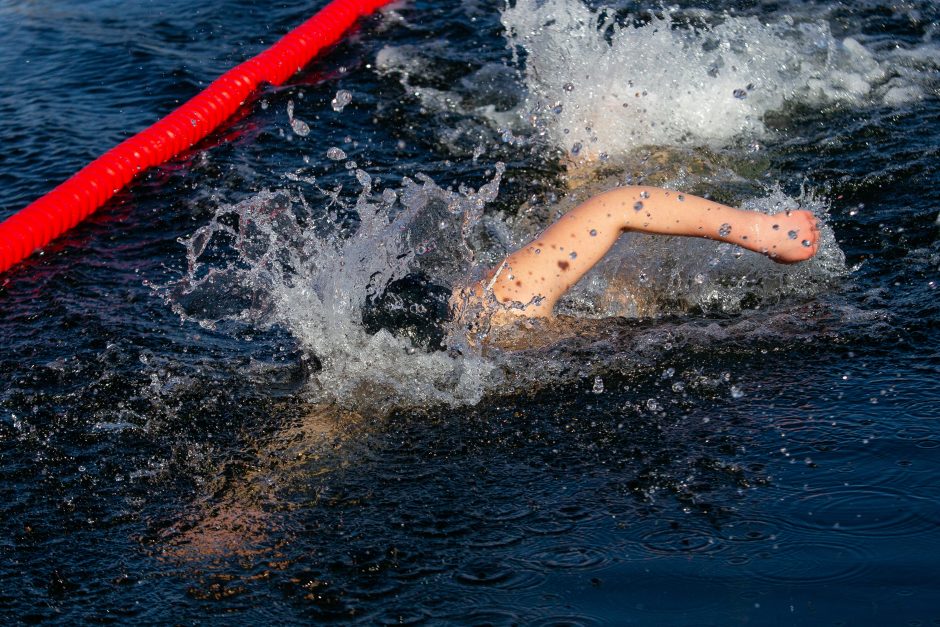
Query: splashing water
(279, 259)
(597, 87)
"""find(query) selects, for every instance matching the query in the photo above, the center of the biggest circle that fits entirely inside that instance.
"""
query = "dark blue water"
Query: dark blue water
(775, 464)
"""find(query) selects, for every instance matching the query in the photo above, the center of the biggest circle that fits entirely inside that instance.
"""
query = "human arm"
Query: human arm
(538, 274)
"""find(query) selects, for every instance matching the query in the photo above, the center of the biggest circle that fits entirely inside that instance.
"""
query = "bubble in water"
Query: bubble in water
(576, 148)
(724, 230)
(653, 405)
(342, 98)
(598, 385)
(736, 392)
(569, 87)
(791, 234)
(335, 154)
(638, 205)
(557, 109)
(740, 94)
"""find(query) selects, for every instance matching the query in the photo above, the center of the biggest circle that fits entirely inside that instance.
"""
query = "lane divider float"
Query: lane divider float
(81, 195)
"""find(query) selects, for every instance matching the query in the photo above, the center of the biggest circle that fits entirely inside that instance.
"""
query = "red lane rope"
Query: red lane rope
(71, 202)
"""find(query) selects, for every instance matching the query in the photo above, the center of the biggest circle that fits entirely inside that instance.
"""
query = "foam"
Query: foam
(597, 87)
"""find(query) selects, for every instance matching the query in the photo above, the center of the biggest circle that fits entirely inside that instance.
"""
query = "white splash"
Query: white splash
(276, 259)
(597, 87)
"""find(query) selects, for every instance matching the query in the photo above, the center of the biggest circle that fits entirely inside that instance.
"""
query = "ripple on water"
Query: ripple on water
(504, 575)
(376, 589)
(674, 537)
(569, 557)
(810, 562)
(548, 527)
(869, 511)
(495, 538)
(750, 530)
(502, 512)
(439, 524)
(401, 616)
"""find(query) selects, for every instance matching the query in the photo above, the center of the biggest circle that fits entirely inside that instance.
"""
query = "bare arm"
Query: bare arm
(540, 273)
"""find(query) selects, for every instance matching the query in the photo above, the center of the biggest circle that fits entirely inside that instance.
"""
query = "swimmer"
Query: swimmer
(530, 281)
(526, 284)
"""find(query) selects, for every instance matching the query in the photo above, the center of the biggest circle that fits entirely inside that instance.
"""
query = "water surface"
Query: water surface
(760, 448)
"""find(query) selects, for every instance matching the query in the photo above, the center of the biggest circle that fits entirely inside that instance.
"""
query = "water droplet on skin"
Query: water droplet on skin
(724, 230)
(335, 154)
(573, 255)
(776, 227)
(569, 87)
(638, 205)
(791, 234)
(538, 251)
(680, 197)
(807, 243)
(644, 194)
(342, 98)
(598, 385)
(593, 232)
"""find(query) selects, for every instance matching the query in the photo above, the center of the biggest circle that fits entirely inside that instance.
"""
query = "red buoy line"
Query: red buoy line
(71, 202)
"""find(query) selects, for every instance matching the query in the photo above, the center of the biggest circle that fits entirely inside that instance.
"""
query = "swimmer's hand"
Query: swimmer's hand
(788, 237)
